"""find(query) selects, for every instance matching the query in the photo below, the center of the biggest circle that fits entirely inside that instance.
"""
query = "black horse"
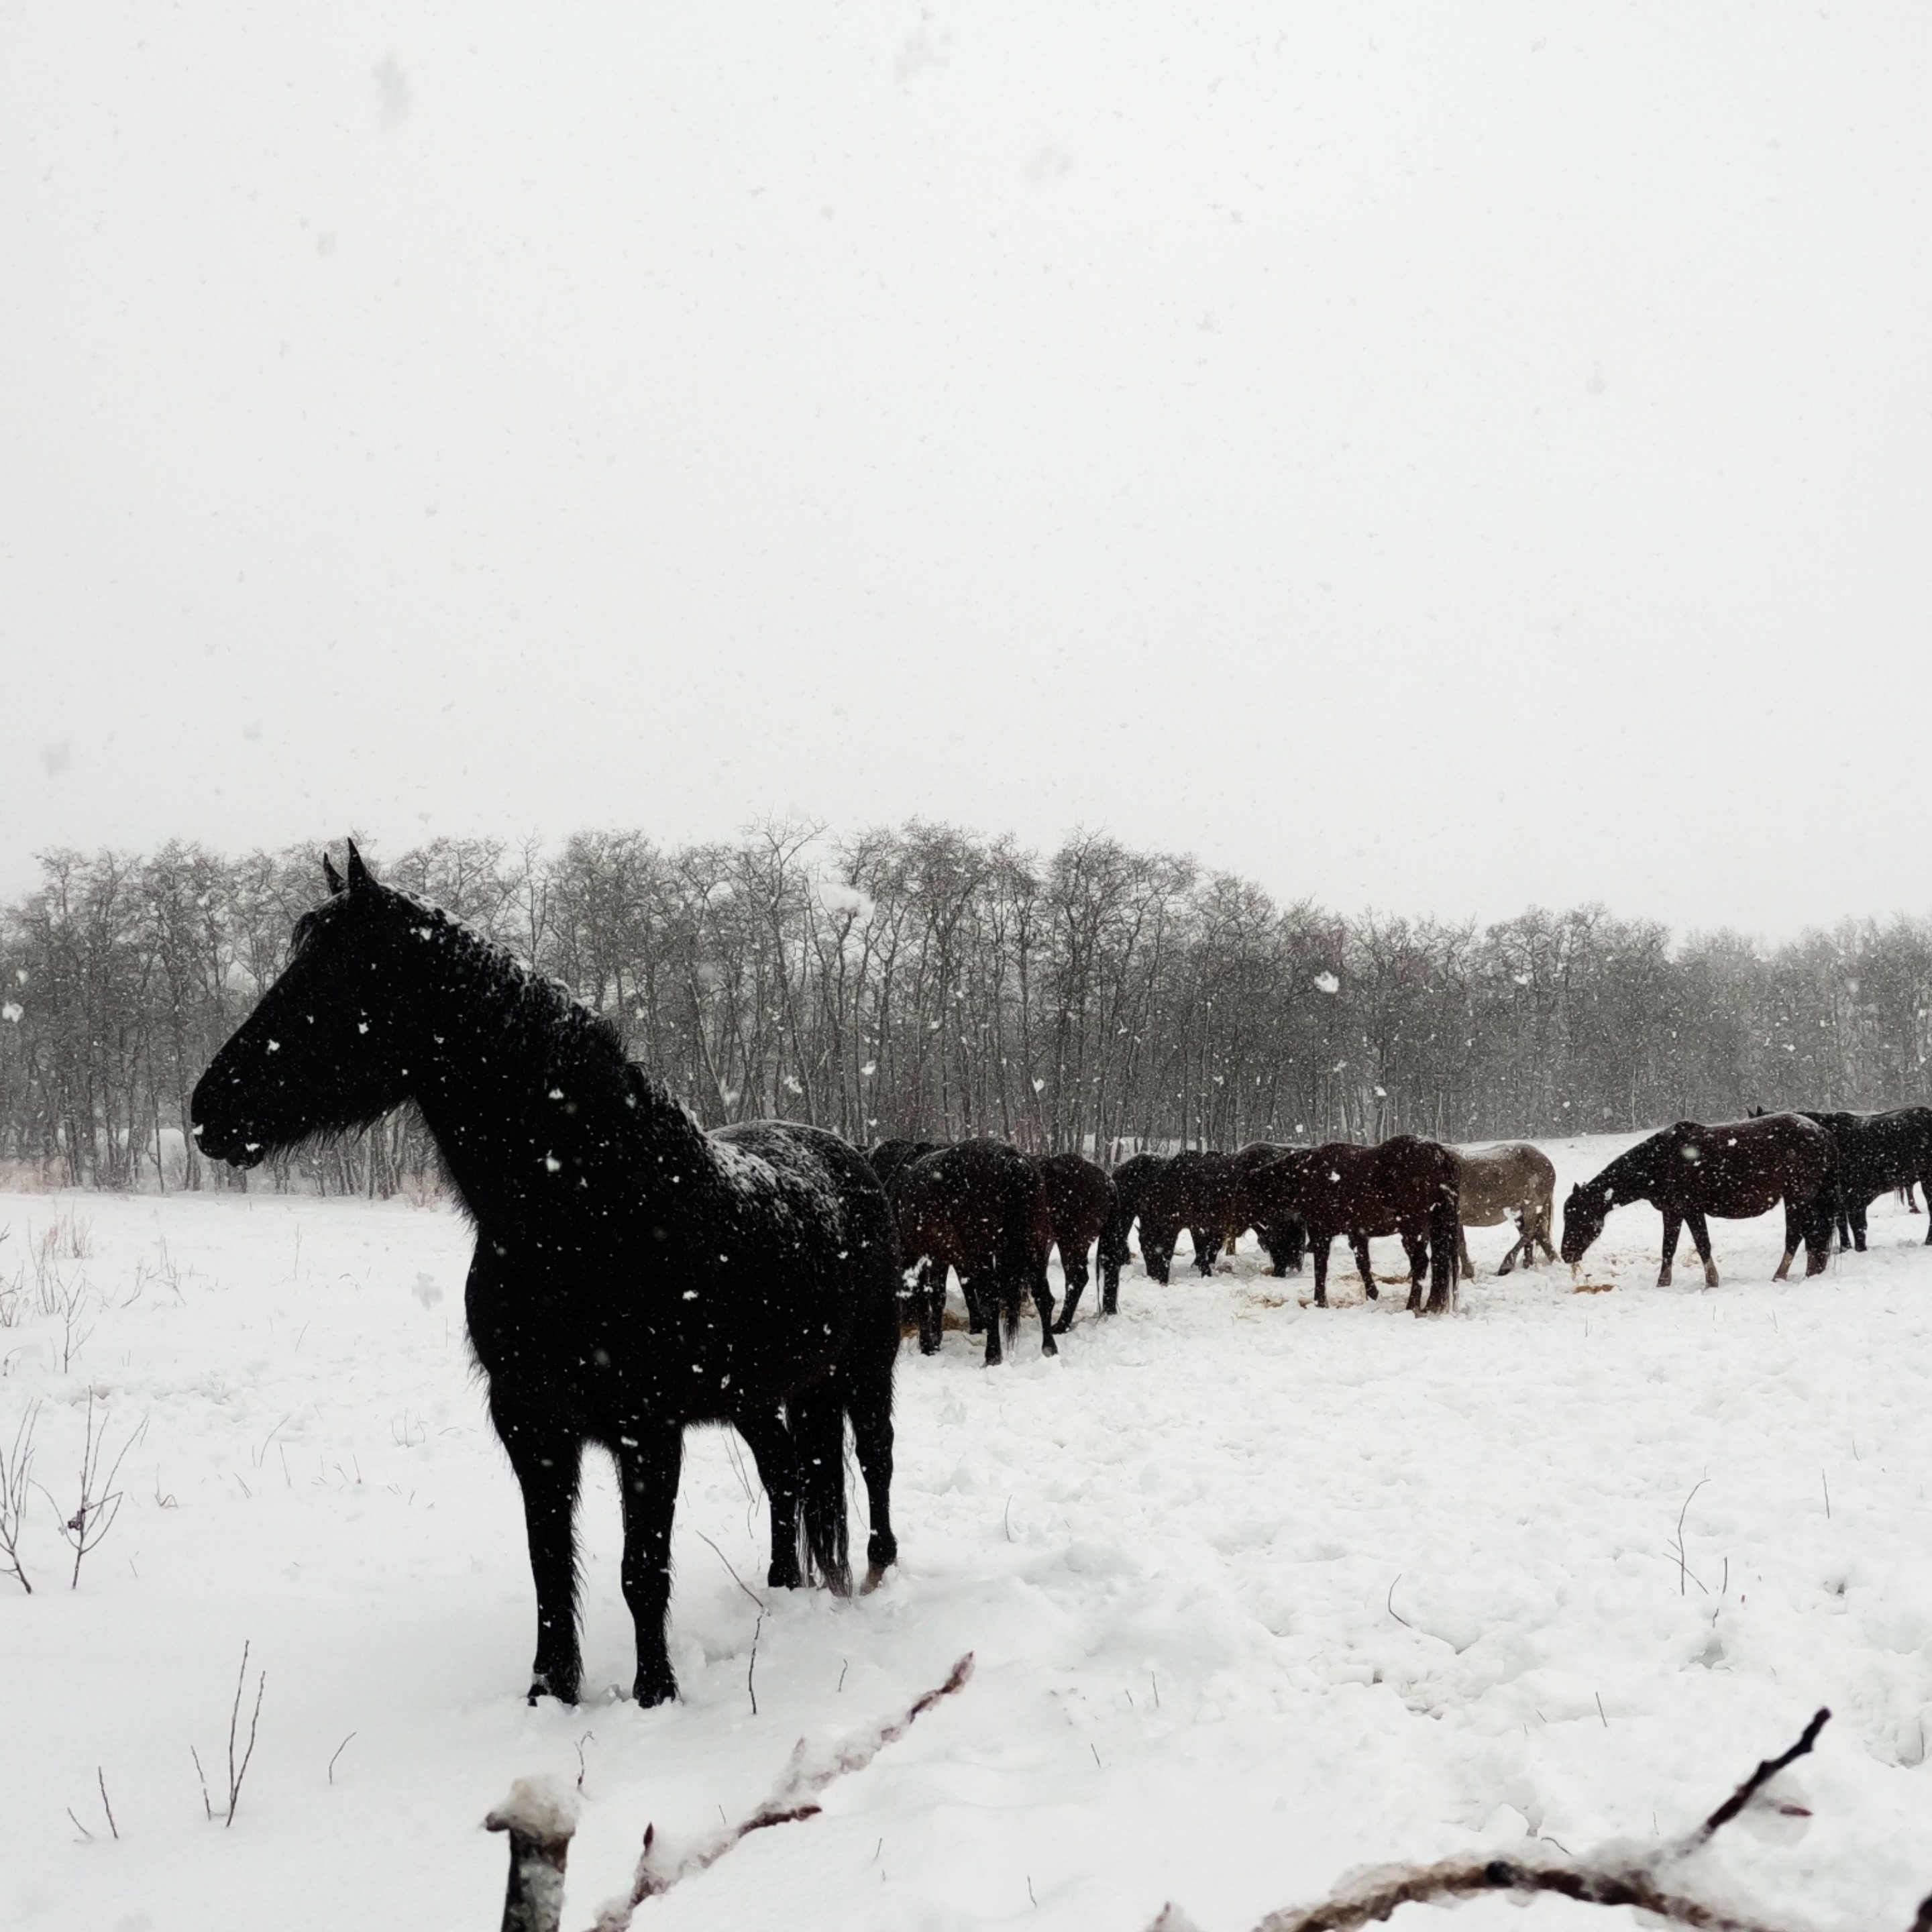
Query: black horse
(1876, 1153)
(887, 1157)
(632, 1274)
(1735, 1170)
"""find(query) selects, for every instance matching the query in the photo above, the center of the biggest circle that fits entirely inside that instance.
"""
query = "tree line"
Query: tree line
(927, 982)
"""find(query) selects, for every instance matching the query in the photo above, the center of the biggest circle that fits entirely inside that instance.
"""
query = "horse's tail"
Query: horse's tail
(817, 1418)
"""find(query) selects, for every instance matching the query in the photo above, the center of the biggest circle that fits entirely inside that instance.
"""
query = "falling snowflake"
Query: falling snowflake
(1327, 983)
(13, 1013)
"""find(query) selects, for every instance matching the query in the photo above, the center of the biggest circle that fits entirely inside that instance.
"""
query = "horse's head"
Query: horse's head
(1584, 1214)
(326, 1047)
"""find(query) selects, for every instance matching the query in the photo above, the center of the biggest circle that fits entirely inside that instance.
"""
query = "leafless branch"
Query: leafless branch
(758, 1630)
(794, 1797)
(339, 1749)
(101, 1502)
(1610, 1876)
(236, 1773)
(16, 1478)
(100, 1778)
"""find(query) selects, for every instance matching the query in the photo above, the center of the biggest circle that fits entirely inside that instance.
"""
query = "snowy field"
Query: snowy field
(1259, 1593)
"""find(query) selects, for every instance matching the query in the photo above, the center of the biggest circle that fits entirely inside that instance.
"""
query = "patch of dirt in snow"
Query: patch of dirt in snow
(1260, 1592)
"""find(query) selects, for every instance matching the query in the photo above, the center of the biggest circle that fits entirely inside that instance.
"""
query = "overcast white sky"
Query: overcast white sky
(1439, 458)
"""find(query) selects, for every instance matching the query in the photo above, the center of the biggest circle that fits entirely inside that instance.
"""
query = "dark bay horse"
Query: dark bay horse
(1510, 1178)
(1132, 1179)
(887, 1157)
(632, 1275)
(1284, 1241)
(1736, 1170)
(1877, 1153)
(1080, 1204)
(1195, 1189)
(978, 1207)
(1404, 1186)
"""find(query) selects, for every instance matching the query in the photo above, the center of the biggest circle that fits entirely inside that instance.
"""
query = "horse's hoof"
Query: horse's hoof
(553, 1683)
(655, 1686)
(875, 1575)
(784, 1576)
(1046, 1346)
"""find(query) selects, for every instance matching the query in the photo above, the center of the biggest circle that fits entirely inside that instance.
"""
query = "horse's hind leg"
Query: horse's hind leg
(1468, 1267)
(1700, 1234)
(869, 1401)
(1794, 1233)
(1074, 1268)
(1319, 1245)
(1817, 1240)
(1673, 1224)
(987, 1287)
(548, 1463)
(647, 1471)
(1416, 1246)
(931, 1294)
(1043, 1300)
(1546, 1213)
(769, 1441)
(1205, 1248)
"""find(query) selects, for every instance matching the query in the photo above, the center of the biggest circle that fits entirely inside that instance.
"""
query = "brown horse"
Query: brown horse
(1080, 1203)
(1195, 1190)
(1511, 1178)
(1405, 1187)
(980, 1207)
(1735, 1170)
(1131, 1180)
(1284, 1241)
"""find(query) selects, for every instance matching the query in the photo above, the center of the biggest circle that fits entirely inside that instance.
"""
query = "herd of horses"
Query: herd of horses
(633, 1275)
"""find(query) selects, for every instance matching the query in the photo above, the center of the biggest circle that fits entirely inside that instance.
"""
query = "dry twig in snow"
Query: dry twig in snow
(1615, 1874)
(540, 1815)
(17, 1478)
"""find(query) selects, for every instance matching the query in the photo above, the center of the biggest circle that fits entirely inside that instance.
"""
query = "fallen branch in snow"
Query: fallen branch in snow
(540, 1815)
(1615, 1874)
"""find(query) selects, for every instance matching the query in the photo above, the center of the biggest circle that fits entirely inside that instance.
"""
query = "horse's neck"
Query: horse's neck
(514, 1107)
(1630, 1177)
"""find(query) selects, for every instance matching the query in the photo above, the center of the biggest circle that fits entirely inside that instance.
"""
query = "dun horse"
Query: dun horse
(1735, 1170)
(979, 1207)
(1513, 1178)
(632, 1274)
(1080, 1204)
(1404, 1186)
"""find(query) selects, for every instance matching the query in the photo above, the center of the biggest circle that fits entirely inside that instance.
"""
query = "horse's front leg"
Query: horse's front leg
(547, 1462)
(1700, 1234)
(649, 1460)
(1673, 1223)
(983, 1292)
(1467, 1266)
(1319, 1245)
(770, 1443)
(1359, 1246)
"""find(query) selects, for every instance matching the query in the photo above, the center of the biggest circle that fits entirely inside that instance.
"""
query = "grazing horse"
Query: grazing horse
(1282, 1242)
(1192, 1189)
(1080, 1203)
(632, 1275)
(1132, 1180)
(1404, 1186)
(1496, 1182)
(1735, 1170)
(979, 1207)
(887, 1157)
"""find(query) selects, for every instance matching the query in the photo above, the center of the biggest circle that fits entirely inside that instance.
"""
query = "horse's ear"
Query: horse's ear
(329, 873)
(359, 873)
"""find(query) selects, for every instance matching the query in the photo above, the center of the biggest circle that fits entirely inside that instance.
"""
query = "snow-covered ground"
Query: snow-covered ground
(1259, 1593)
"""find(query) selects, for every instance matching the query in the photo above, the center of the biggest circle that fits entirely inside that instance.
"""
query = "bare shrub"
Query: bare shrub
(101, 1502)
(16, 1478)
